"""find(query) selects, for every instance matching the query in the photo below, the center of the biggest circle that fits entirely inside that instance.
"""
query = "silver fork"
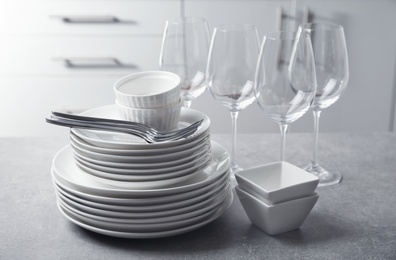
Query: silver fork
(145, 132)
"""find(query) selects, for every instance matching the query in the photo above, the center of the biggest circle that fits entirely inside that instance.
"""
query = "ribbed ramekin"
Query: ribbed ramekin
(149, 89)
(161, 118)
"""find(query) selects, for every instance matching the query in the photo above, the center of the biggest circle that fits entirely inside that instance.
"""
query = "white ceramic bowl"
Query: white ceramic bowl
(149, 89)
(279, 218)
(162, 118)
(277, 182)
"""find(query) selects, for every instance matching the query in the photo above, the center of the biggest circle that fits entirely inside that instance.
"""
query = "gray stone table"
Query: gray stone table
(353, 220)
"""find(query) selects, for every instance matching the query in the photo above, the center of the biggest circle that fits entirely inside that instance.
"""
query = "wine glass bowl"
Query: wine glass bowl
(332, 74)
(228, 93)
(184, 51)
(331, 62)
(230, 71)
(285, 81)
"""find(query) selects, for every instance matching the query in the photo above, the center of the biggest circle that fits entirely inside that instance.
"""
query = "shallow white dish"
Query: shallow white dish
(66, 157)
(127, 234)
(145, 168)
(159, 159)
(141, 217)
(140, 152)
(131, 227)
(137, 202)
(148, 180)
(279, 218)
(185, 203)
(115, 140)
(70, 173)
(277, 182)
(148, 173)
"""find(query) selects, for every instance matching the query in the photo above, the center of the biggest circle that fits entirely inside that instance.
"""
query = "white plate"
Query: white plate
(137, 169)
(148, 181)
(152, 227)
(141, 235)
(175, 203)
(158, 158)
(66, 157)
(148, 217)
(162, 166)
(144, 175)
(152, 151)
(143, 203)
(116, 140)
(70, 173)
(150, 174)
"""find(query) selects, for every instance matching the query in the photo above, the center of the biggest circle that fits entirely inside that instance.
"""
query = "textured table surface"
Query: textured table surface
(353, 220)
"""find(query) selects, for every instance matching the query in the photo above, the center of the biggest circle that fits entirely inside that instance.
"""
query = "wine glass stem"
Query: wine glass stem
(316, 114)
(283, 128)
(187, 103)
(234, 116)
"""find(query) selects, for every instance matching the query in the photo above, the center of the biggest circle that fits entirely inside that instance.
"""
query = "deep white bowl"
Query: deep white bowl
(149, 89)
(279, 218)
(277, 182)
(162, 118)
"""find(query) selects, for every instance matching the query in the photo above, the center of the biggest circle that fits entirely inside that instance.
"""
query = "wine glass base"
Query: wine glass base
(326, 178)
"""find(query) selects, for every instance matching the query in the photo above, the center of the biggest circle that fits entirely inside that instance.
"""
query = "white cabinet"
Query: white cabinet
(26, 101)
(73, 56)
(66, 55)
(86, 17)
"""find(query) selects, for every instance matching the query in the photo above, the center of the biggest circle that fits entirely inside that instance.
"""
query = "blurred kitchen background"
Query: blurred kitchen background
(66, 54)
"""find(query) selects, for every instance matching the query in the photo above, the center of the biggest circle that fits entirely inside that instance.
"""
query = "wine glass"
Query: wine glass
(332, 74)
(285, 81)
(184, 51)
(230, 72)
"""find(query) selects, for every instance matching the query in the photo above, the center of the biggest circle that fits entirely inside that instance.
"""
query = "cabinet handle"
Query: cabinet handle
(279, 18)
(94, 63)
(307, 15)
(107, 19)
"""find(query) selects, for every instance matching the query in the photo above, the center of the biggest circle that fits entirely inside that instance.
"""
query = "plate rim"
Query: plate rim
(149, 235)
(215, 174)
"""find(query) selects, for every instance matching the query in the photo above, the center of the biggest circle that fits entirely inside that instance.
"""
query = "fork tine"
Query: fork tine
(182, 134)
(193, 127)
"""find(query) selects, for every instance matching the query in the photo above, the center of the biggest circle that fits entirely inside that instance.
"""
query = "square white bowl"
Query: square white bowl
(277, 182)
(279, 218)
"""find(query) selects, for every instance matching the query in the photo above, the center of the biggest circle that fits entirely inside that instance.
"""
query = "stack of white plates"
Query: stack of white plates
(118, 185)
